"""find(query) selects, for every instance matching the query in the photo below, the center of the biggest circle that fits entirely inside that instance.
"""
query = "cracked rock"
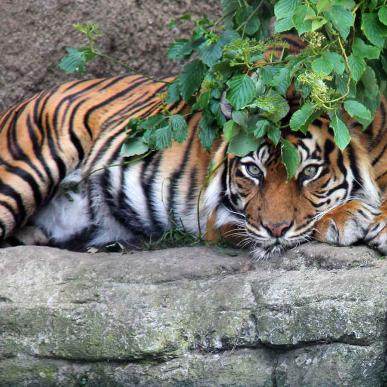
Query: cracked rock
(314, 317)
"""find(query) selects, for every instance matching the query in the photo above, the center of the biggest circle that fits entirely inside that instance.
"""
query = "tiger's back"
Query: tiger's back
(75, 132)
(45, 138)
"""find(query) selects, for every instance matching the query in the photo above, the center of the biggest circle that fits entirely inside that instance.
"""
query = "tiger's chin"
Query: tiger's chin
(271, 249)
(263, 253)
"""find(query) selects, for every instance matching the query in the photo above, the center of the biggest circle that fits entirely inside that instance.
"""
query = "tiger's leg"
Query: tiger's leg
(377, 233)
(346, 224)
(21, 191)
(27, 235)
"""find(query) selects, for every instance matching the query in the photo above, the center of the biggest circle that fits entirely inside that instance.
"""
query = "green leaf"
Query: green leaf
(179, 127)
(274, 134)
(75, 61)
(301, 119)
(153, 122)
(179, 49)
(208, 132)
(341, 18)
(357, 66)
(261, 128)
(302, 18)
(210, 53)
(248, 19)
(382, 14)
(240, 117)
(285, 8)
(358, 111)
(373, 29)
(133, 146)
(268, 74)
(173, 93)
(242, 144)
(323, 5)
(342, 136)
(163, 137)
(368, 92)
(282, 81)
(322, 66)
(217, 112)
(230, 129)
(336, 61)
(229, 7)
(362, 50)
(191, 78)
(370, 82)
(290, 157)
(203, 100)
(241, 91)
(282, 108)
(318, 23)
(282, 25)
(274, 106)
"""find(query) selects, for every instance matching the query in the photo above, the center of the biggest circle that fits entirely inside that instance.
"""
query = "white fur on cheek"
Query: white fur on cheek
(213, 192)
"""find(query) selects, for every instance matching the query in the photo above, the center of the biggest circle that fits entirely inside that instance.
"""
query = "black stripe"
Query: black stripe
(24, 175)
(62, 170)
(191, 197)
(379, 156)
(150, 167)
(136, 106)
(13, 241)
(175, 177)
(107, 101)
(343, 185)
(77, 242)
(3, 229)
(79, 92)
(14, 148)
(20, 215)
(382, 175)
(103, 149)
(114, 81)
(355, 169)
(37, 148)
(317, 122)
(11, 211)
(119, 206)
(340, 163)
(73, 136)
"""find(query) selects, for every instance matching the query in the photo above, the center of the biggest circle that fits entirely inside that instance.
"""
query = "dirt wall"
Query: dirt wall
(34, 35)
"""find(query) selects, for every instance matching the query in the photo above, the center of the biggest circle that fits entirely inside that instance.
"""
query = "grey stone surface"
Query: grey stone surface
(34, 34)
(193, 316)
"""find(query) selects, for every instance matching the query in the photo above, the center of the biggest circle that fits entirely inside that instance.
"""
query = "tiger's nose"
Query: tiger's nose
(277, 229)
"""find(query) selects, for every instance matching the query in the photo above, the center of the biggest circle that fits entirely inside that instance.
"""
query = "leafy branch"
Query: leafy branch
(235, 60)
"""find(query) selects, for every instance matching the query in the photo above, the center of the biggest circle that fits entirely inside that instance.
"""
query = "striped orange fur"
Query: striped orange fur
(73, 134)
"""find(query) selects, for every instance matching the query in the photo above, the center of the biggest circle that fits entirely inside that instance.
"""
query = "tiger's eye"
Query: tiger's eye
(310, 171)
(253, 170)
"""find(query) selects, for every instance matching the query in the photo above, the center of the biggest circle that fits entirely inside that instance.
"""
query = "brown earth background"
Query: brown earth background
(34, 34)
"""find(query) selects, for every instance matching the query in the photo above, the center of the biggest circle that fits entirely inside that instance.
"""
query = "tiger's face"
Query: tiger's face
(273, 213)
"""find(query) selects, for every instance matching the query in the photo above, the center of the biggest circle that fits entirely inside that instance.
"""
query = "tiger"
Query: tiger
(71, 136)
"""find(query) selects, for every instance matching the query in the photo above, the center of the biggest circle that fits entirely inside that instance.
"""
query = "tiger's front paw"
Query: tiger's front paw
(346, 224)
(377, 234)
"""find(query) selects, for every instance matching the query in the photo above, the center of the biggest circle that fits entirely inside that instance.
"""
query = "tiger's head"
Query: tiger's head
(271, 213)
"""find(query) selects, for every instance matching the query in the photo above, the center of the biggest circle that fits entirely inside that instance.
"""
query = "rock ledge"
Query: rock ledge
(193, 316)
